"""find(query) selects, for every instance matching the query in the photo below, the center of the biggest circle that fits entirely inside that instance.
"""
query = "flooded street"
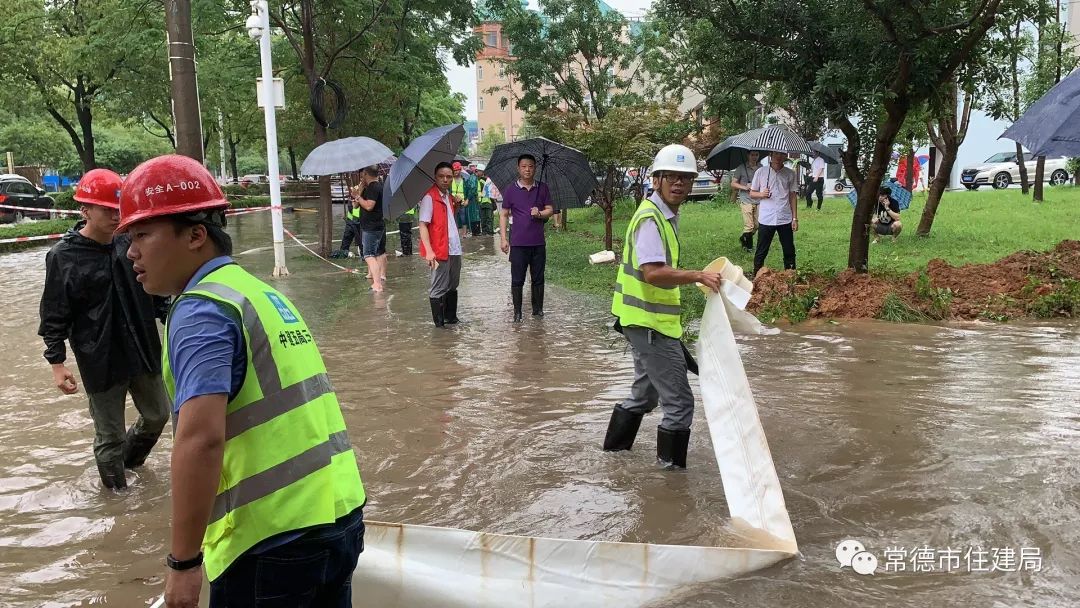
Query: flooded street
(895, 435)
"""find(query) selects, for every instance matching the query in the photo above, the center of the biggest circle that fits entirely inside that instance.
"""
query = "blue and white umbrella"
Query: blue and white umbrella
(413, 174)
(900, 194)
(345, 155)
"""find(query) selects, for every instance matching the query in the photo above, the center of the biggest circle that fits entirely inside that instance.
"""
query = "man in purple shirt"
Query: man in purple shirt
(529, 203)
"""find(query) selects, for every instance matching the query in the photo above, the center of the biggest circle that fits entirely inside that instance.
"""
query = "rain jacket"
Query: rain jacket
(92, 300)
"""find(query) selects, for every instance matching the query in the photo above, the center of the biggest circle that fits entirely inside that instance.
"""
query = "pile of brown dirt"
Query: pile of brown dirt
(852, 295)
(1000, 290)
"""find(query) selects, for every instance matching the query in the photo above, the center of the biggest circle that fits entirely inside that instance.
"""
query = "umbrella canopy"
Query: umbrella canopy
(345, 155)
(900, 194)
(773, 138)
(831, 155)
(726, 156)
(414, 171)
(1051, 126)
(565, 170)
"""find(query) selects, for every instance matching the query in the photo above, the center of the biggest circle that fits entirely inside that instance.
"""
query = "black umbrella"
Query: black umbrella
(565, 170)
(1051, 126)
(831, 155)
(414, 171)
(727, 157)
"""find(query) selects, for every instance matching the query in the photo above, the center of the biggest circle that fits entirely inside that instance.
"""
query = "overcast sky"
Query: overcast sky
(463, 79)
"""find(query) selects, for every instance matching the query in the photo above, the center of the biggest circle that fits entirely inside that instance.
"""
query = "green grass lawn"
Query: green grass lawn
(971, 227)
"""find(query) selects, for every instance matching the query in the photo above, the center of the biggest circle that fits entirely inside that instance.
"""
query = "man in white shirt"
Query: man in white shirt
(776, 189)
(816, 183)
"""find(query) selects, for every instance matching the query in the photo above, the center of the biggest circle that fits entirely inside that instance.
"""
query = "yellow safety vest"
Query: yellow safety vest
(640, 304)
(288, 463)
(457, 188)
(352, 213)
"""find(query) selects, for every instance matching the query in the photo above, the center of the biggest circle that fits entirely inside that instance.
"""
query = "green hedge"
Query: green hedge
(33, 229)
(64, 199)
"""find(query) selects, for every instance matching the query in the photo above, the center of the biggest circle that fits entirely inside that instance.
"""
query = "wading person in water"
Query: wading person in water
(649, 309)
(266, 494)
(92, 300)
(440, 246)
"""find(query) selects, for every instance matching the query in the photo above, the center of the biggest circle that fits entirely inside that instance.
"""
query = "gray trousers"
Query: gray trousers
(445, 277)
(659, 378)
(107, 410)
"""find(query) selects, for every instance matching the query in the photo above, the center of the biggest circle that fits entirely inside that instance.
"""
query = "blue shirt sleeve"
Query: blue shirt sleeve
(206, 350)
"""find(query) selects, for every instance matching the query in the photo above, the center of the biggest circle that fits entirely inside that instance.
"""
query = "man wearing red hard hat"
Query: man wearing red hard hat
(266, 493)
(92, 300)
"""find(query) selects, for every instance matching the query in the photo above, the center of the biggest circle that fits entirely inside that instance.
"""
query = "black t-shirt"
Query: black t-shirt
(882, 215)
(373, 220)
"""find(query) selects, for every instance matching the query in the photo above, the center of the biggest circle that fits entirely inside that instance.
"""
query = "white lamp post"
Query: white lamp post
(258, 26)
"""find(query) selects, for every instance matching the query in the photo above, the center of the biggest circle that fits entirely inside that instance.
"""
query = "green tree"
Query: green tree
(866, 64)
(71, 55)
(492, 137)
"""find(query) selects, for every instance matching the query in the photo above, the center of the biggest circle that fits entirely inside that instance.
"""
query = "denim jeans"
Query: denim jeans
(313, 571)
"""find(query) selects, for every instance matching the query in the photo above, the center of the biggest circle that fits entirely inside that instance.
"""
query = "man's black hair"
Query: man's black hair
(526, 157)
(215, 223)
(443, 165)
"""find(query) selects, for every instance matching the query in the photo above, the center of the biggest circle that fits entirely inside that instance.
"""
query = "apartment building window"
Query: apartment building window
(502, 74)
(480, 105)
(492, 40)
(479, 72)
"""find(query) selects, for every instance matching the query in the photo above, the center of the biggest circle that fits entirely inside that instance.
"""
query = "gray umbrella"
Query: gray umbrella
(831, 155)
(566, 171)
(345, 155)
(413, 174)
(1051, 126)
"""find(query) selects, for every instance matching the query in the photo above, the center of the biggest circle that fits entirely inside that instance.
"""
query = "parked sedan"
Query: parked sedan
(17, 191)
(706, 185)
(1002, 170)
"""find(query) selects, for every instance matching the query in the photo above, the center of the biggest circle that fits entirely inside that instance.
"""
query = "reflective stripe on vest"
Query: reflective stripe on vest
(352, 213)
(288, 464)
(636, 302)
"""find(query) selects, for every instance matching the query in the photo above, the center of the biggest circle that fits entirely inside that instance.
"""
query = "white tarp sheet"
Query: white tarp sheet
(412, 566)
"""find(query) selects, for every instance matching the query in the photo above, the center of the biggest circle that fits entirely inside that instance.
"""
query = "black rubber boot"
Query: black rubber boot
(137, 448)
(438, 315)
(451, 307)
(671, 448)
(516, 293)
(621, 430)
(538, 299)
(747, 240)
(112, 475)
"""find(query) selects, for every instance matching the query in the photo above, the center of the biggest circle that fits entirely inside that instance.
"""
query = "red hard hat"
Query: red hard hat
(168, 185)
(456, 166)
(100, 187)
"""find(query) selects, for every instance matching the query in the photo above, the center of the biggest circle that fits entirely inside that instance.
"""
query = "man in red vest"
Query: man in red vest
(440, 245)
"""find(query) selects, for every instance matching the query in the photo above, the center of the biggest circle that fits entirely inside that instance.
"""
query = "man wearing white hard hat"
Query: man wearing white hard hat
(649, 310)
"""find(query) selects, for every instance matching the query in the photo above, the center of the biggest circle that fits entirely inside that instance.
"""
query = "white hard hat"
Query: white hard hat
(480, 166)
(677, 158)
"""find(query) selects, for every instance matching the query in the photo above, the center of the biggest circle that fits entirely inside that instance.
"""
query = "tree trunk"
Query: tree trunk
(938, 186)
(859, 245)
(86, 125)
(326, 205)
(1022, 165)
(1040, 169)
(232, 159)
(909, 178)
(292, 161)
(609, 212)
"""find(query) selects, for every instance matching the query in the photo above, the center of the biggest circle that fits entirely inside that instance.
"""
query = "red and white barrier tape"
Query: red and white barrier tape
(232, 212)
(41, 210)
(23, 239)
(309, 250)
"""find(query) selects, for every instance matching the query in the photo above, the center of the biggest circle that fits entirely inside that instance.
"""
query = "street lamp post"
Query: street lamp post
(258, 26)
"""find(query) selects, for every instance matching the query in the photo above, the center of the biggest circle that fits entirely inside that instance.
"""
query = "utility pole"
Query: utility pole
(184, 84)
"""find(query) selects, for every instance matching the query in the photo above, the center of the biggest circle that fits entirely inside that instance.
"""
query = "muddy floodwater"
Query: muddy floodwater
(943, 439)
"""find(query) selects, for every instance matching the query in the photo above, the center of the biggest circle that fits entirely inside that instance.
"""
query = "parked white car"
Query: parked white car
(1001, 170)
